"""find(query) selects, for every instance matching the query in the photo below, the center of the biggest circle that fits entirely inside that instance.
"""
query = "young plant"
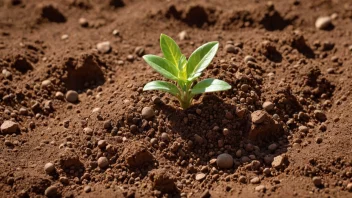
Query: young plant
(174, 66)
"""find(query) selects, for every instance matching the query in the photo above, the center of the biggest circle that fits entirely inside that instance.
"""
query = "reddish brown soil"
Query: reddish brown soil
(299, 68)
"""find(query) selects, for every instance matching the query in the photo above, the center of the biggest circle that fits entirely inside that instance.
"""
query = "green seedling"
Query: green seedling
(175, 66)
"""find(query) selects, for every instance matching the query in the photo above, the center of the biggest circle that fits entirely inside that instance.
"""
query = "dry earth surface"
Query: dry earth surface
(76, 123)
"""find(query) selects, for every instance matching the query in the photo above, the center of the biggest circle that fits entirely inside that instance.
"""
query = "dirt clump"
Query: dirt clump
(163, 181)
(135, 156)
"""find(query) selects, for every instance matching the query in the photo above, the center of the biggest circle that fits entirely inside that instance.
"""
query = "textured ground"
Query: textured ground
(102, 145)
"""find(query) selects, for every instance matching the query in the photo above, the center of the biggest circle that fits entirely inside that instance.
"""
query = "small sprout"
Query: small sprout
(175, 66)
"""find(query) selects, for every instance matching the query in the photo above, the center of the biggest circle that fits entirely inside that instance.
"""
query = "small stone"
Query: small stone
(268, 106)
(59, 95)
(49, 168)
(267, 171)
(258, 116)
(104, 47)
(317, 181)
(51, 191)
(255, 180)
(242, 179)
(88, 131)
(23, 111)
(103, 162)
(272, 147)
(116, 32)
(64, 180)
(260, 188)
(147, 113)
(8, 127)
(102, 144)
(72, 96)
(200, 176)
(319, 140)
(6, 73)
(280, 161)
(165, 137)
(231, 49)
(87, 189)
(183, 35)
(349, 187)
(64, 37)
(107, 124)
(249, 58)
(224, 161)
(303, 129)
(139, 51)
(323, 23)
(46, 84)
(320, 115)
(83, 22)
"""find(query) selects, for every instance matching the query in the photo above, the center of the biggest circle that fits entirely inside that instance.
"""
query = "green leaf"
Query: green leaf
(182, 65)
(170, 49)
(200, 59)
(163, 86)
(162, 66)
(210, 85)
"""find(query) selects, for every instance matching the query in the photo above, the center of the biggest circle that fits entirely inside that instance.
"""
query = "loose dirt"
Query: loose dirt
(76, 123)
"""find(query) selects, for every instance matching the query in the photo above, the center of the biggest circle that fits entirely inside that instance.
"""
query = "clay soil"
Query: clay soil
(102, 145)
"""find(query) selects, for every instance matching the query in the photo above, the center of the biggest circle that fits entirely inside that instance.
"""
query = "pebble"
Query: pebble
(9, 127)
(23, 111)
(64, 37)
(317, 181)
(103, 162)
(242, 179)
(249, 58)
(205, 194)
(349, 187)
(200, 176)
(83, 22)
(279, 161)
(303, 129)
(165, 137)
(268, 106)
(258, 116)
(224, 161)
(322, 23)
(272, 147)
(319, 140)
(139, 51)
(147, 113)
(8, 143)
(59, 95)
(116, 32)
(51, 191)
(231, 49)
(104, 47)
(71, 96)
(6, 73)
(320, 115)
(260, 188)
(49, 168)
(255, 180)
(87, 189)
(267, 171)
(102, 144)
(64, 180)
(46, 83)
(183, 35)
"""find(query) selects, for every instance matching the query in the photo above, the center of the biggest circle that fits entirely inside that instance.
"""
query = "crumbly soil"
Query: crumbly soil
(298, 146)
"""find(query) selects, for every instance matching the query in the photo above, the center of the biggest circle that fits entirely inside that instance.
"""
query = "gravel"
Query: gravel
(51, 191)
(224, 161)
(87, 189)
(200, 176)
(255, 180)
